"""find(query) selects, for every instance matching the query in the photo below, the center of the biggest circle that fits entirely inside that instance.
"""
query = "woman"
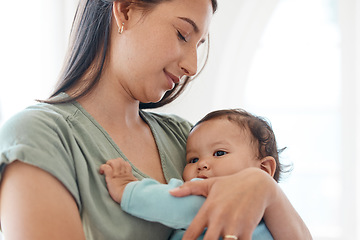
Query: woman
(125, 56)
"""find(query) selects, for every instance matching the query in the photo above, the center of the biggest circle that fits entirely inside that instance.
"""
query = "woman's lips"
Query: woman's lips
(172, 79)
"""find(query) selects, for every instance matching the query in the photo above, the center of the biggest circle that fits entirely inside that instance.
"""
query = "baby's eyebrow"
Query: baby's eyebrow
(190, 152)
(196, 28)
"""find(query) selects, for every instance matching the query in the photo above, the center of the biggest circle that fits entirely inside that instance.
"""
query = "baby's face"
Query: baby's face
(218, 147)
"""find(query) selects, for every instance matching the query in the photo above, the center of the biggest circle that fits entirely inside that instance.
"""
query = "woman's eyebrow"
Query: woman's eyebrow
(196, 28)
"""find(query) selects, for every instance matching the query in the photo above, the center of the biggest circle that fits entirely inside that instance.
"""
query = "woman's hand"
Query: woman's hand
(235, 205)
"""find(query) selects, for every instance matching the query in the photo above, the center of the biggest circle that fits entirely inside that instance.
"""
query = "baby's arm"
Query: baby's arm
(148, 199)
(151, 200)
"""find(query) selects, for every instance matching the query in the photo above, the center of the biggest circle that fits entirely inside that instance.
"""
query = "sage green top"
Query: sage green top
(64, 140)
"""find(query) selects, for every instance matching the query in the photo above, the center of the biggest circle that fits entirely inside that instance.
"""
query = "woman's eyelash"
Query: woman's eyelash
(181, 37)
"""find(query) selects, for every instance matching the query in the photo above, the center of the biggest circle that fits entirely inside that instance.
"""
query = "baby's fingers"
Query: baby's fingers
(106, 170)
(115, 163)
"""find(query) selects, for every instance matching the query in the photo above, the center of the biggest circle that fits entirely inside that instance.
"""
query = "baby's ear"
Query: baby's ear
(268, 164)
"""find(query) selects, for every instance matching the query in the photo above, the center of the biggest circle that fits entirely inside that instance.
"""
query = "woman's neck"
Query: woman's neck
(111, 106)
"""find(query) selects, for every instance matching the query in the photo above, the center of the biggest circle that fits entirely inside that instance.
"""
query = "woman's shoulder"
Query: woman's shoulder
(44, 112)
(39, 114)
(39, 122)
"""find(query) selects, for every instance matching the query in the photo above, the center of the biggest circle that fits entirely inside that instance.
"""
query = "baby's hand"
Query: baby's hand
(118, 174)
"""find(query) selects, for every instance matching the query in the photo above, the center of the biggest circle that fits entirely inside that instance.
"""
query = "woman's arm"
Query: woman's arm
(35, 205)
(235, 205)
(283, 220)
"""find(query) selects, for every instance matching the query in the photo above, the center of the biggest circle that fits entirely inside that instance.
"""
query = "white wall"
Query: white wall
(32, 46)
(234, 34)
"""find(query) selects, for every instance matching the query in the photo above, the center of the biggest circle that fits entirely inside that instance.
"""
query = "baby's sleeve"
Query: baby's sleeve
(151, 201)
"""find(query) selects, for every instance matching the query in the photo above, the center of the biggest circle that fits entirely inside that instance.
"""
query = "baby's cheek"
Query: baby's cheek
(189, 173)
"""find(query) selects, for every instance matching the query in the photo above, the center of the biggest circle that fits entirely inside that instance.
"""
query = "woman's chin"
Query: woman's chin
(154, 99)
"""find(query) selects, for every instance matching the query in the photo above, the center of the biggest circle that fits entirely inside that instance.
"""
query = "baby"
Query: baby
(224, 142)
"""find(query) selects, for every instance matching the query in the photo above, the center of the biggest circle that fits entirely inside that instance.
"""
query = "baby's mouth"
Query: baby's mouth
(202, 176)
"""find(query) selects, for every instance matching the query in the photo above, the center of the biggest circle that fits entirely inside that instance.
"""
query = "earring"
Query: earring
(121, 29)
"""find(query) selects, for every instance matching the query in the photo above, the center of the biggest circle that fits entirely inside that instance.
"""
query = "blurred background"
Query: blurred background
(295, 62)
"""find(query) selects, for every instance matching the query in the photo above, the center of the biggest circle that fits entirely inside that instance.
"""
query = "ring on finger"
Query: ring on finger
(228, 236)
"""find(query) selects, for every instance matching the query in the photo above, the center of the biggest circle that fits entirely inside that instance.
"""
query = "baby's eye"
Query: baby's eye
(194, 160)
(219, 153)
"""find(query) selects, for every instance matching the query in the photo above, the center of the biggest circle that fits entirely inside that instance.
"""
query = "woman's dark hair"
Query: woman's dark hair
(88, 47)
(261, 131)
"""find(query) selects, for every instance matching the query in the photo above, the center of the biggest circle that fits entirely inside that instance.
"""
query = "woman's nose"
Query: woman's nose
(189, 62)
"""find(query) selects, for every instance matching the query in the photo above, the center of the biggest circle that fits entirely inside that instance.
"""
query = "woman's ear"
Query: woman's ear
(120, 12)
(268, 164)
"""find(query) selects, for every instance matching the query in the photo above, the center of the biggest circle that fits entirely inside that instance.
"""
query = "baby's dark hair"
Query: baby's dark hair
(261, 132)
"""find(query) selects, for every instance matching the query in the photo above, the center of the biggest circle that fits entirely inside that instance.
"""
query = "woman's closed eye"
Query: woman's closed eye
(219, 153)
(181, 37)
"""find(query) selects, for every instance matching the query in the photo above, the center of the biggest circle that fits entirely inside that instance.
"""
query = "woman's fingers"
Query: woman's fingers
(196, 228)
(214, 224)
(200, 188)
(220, 217)
(234, 206)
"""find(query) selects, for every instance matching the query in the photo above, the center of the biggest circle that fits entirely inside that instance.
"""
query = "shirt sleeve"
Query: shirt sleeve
(151, 201)
(40, 137)
(261, 232)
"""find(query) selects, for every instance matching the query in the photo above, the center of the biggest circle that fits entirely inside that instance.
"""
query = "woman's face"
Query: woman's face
(155, 50)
